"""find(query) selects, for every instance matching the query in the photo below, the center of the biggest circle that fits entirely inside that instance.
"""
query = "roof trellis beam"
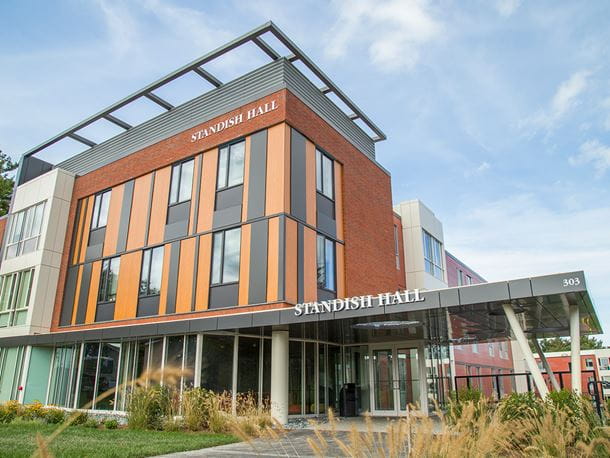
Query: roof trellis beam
(117, 121)
(208, 76)
(159, 101)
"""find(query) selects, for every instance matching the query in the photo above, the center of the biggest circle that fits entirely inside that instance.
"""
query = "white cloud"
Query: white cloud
(393, 30)
(122, 28)
(565, 99)
(478, 170)
(507, 7)
(595, 153)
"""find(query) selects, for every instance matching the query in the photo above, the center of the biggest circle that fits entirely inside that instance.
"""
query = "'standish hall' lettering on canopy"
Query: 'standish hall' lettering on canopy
(234, 120)
(358, 302)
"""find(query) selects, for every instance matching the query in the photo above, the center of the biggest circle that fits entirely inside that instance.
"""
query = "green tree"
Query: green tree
(6, 182)
(563, 344)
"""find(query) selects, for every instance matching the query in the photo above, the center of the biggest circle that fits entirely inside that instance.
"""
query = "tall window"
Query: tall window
(468, 280)
(231, 165)
(433, 256)
(324, 174)
(460, 277)
(100, 210)
(225, 257)
(604, 363)
(396, 247)
(326, 263)
(490, 348)
(14, 297)
(25, 231)
(589, 363)
(152, 266)
(182, 182)
(109, 280)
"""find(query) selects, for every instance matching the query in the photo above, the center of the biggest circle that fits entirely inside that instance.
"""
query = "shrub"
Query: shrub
(196, 404)
(467, 397)
(148, 407)
(91, 423)
(111, 424)
(6, 414)
(520, 406)
(54, 415)
(172, 424)
(79, 418)
(33, 411)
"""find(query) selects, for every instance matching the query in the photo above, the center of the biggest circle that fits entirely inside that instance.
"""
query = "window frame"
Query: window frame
(320, 186)
(223, 248)
(100, 195)
(19, 221)
(16, 281)
(326, 241)
(102, 291)
(228, 146)
(432, 262)
(396, 246)
(180, 165)
(149, 269)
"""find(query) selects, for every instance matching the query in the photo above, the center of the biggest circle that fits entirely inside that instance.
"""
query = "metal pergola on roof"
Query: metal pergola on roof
(255, 36)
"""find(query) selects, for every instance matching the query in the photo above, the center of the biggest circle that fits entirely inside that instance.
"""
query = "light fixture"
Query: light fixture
(387, 325)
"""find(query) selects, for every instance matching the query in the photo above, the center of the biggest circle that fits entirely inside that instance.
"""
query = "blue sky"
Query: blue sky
(497, 112)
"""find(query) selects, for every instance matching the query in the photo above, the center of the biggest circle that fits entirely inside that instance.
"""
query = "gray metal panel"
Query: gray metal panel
(195, 271)
(559, 283)
(104, 312)
(241, 320)
(325, 215)
(257, 175)
(115, 333)
(93, 252)
(287, 316)
(281, 260)
(143, 330)
(484, 292)
(298, 197)
(121, 244)
(241, 91)
(224, 296)
(176, 230)
(231, 197)
(172, 282)
(148, 306)
(269, 318)
(226, 217)
(257, 287)
(520, 288)
(67, 306)
(324, 295)
(431, 300)
(300, 262)
(179, 212)
(83, 296)
(322, 105)
(205, 324)
(449, 297)
(173, 327)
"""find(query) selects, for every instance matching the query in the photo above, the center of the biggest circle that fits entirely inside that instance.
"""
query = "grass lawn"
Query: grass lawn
(19, 440)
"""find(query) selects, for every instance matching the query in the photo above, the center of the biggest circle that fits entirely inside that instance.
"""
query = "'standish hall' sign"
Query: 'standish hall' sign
(234, 120)
(358, 302)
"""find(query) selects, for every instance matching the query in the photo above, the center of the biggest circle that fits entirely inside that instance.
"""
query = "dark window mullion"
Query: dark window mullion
(222, 255)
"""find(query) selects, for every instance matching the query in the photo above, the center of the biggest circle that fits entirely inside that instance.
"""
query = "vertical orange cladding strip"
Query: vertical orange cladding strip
(244, 264)
(273, 260)
(244, 206)
(310, 269)
(79, 230)
(79, 279)
(186, 270)
(96, 270)
(114, 219)
(207, 193)
(86, 228)
(158, 211)
(139, 210)
(310, 182)
(277, 199)
(167, 251)
(128, 288)
(203, 272)
(339, 198)
(291, 260)
(341, 290)
(194, 191)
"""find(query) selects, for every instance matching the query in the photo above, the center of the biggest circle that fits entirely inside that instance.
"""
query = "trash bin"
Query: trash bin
(348, 400)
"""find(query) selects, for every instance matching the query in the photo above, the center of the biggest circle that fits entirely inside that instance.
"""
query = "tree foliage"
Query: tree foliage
(563, 343)
(6, 182)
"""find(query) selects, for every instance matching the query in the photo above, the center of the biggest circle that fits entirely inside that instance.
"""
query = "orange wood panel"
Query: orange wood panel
(96, 270)
(167, 251)
(79, 278)
(114, 219)
(339, 198)
(194, 191)
(244, 206)
(207, 193)
(203, 272)
(86, 228)
(158, 212)
(310, 268)
(139, 210)
(244, 264)
(340, 251)
(291, 262)
(277, 199)
(273, 256)
(79, 230)
(186, 270)
(128, 288)
(310, 182)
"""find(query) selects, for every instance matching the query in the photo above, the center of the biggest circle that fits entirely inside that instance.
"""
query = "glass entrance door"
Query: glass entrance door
(396, 379)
